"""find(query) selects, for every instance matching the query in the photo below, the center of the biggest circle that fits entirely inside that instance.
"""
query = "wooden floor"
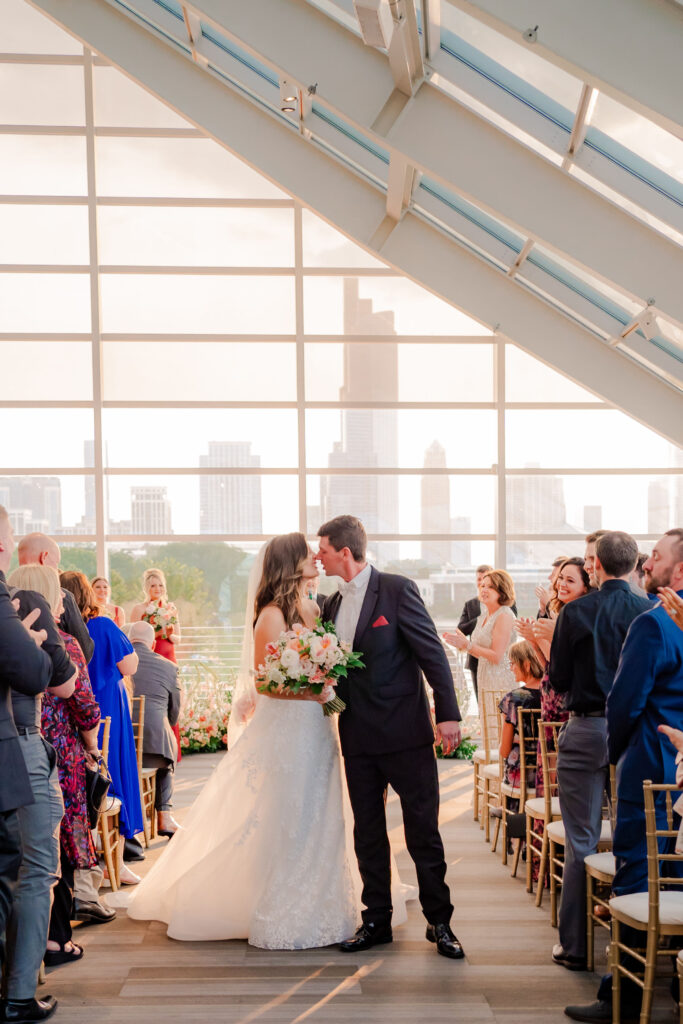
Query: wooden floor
(132, 972)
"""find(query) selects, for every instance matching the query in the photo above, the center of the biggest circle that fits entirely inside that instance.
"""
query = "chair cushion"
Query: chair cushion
(480, 755)
(556, 831)
(536, 807)
(636, 906)
(605, 863)
(512, 791)
(112, 806)
(491, 771)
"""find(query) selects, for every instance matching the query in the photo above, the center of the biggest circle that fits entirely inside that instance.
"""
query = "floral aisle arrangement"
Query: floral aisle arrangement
(204, 710)
(308, 659)
(161, 615)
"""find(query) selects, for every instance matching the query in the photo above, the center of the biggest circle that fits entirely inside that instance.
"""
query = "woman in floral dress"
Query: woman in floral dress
(71, 727)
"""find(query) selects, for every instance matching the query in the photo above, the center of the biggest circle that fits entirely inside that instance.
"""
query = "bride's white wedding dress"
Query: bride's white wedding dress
(266, 853)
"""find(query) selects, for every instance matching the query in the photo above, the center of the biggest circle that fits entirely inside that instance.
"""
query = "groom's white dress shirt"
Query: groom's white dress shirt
(351, 603)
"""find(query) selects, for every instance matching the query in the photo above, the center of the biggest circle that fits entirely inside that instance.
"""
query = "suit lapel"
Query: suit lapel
(331, 607)
(369, 602)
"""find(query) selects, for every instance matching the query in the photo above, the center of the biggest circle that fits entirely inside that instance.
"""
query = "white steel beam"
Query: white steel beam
(613, 45)
(444, 140)
(357, 208)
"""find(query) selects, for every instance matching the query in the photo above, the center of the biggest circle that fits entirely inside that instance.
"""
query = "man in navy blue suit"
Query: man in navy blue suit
(386, 731)
(647, 692)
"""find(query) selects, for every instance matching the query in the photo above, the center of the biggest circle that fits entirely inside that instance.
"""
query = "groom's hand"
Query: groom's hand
(448, 735)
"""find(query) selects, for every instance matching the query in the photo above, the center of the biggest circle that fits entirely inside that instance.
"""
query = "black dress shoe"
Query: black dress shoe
(92, 913)
(132, 850)
(446, 942)
(29, 1011)
(367, 936)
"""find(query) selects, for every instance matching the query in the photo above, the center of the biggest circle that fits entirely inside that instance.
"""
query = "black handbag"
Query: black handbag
(97, 783)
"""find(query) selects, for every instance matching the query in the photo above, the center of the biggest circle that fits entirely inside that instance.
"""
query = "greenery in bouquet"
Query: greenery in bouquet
(205, 709)
(308, 659)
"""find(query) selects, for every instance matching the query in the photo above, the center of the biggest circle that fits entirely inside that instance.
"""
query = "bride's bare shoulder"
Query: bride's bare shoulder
(270, 618)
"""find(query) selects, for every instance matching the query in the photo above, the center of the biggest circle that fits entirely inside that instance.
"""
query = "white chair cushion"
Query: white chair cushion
(557, 833)
(491, 771)
(605, 863)
(536, 807)
(636, 906)
(512, 791)
(112, 806)
(480, 755)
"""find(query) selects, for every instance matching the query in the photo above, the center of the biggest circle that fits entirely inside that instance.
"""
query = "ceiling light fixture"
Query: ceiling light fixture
(376, 22)
(289, 97)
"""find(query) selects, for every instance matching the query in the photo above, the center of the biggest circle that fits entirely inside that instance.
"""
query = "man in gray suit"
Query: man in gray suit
(156, 680)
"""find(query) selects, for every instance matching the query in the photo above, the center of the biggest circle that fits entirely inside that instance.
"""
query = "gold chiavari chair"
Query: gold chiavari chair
(147, 776)
(600, 871)
(488, 754)
(109, 822)
(544, 808)
(527, 733)
(658, 912)
(491, 772)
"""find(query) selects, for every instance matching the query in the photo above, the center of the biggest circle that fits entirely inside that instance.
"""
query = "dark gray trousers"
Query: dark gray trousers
(582, 773)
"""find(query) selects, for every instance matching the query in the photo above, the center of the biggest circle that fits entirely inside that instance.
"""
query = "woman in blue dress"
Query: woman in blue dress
(113, 659)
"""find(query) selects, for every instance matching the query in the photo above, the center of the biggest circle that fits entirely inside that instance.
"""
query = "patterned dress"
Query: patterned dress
(61, 724)
(521, 697)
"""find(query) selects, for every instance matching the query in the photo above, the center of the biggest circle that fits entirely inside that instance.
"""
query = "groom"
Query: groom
(386, 732)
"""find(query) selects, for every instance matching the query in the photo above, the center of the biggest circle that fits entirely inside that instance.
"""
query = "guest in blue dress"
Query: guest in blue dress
(114, 658)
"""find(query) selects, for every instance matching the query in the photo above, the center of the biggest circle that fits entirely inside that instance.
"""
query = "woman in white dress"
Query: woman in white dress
(266, 853)
(492, 636)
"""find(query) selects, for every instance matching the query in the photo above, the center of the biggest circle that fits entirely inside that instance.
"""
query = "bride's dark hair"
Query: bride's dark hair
(280, 583)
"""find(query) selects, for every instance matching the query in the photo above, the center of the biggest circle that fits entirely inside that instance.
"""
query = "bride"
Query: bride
(266, 853)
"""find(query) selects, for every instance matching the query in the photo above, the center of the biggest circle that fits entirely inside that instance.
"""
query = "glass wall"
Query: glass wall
(192, 362)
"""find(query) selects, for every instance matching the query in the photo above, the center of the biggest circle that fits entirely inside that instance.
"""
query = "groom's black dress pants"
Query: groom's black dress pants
(413, 776)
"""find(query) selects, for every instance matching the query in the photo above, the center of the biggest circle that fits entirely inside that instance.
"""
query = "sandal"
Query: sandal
(57, 957)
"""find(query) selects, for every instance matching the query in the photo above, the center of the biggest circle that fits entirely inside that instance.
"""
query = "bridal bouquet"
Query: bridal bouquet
(161, 616)
(310, 659)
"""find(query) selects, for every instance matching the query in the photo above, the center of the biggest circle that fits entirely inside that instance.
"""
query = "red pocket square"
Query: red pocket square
(381, 621)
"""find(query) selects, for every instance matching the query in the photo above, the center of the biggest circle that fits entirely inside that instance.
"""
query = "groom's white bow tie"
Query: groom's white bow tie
(347, 588)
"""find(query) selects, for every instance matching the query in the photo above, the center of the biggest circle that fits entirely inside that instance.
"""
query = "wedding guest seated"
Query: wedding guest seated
(102, 591)
(113, 659)
(156, 679)
(528, 672)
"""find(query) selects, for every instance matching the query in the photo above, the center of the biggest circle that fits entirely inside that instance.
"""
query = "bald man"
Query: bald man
(39, 549)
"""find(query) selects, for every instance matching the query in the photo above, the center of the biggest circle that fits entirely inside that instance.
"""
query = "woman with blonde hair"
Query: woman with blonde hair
(492, 636)
(271, 817)
(162, 615)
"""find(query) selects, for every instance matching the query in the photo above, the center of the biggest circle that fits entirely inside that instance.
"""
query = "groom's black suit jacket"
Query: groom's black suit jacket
(386, 703)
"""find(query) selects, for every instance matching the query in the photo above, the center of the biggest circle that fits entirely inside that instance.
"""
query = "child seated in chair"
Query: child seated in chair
(528, 672)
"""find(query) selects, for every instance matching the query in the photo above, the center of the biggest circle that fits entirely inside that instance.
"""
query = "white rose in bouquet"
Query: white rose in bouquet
(291, 662)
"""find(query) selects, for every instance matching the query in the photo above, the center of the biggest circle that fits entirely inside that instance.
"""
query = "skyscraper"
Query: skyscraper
(230, 503)
(435, 507)
(369, 436)
(35, 502)
(150, 510)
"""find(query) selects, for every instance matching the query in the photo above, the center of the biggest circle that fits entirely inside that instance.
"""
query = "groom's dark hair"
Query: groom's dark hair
(346, 532)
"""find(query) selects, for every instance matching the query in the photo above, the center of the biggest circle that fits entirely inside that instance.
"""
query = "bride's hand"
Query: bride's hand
(327, 693)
